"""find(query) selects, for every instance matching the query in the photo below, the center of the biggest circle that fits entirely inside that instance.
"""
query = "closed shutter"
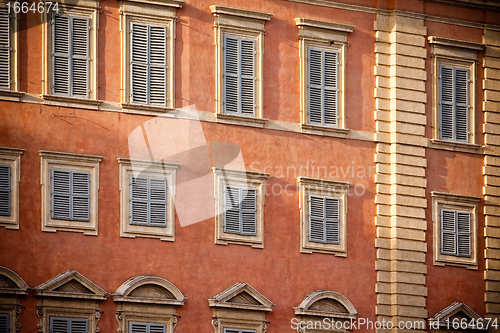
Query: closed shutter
(148, 201)
(4, 323)
(70, 195)
(5, 190)
(323, 87)
(62, 55)
(4, 48)
(240, 206)
(79, 326)
(461, 104)
(456, 236)
(231, 330)
(148, 64)
(249, 212)
(464, 237)
(454, 103)
(68, 325)
(80, 57)
(448, 232)
(324, 220)
(232, 201)
(136, 327)
(239, 75)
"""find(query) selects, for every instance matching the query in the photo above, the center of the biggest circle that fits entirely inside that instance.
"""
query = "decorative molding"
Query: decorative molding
(71, 102)
(435, 40)
(12, 158)
(324, 130)
(459, 311)
(159, 3)
(323, 30)
(471, 4)
(128, 107)
(248, 14)
(12, 96)
(307, 305)
(71, 284)
(251, 300)
(149, 290)
(455, 146)
(240, 120)
(11, 283)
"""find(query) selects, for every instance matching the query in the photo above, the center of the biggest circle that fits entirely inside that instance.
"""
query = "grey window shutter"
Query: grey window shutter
(148, 201)
(4, 48)
(80, 196)
(80, 56)
(136, 327)
(157, 328)
(68, 325)
(70, 195)
(315, 86)
(79, 326)
(5, 190)
(461, 104)
(332, 220)
(330, 94)
(158, 65)
(448, 232)
(61, 194)
(231, 77)
(139, 201)
(61, 54)
(248, 211)
(316, 219)
(139, 66)
(158, 202)
(232, 201)
(4, 323)
(464, 237)
(247, 69)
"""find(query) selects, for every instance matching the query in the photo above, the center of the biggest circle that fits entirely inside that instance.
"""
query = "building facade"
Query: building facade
(249, 166)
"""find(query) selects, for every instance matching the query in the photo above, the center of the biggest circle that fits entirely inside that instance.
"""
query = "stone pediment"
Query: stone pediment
(458, 311)
(149, 289)
(241, 296)
(71, 284)
(11, 283)
(324, 303)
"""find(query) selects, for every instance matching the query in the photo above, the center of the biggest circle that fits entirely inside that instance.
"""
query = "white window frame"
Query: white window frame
(460, 203)
(322, 188)
(12, 158)
(240, 179)
(79, 8)
(152, 13)
(69, 162)
(12, 93)
(149, 169)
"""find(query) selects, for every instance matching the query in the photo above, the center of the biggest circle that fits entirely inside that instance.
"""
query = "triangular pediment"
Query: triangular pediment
(149, 289)
(241, 296)
(71, 284)
(11, 283)
(457, 311)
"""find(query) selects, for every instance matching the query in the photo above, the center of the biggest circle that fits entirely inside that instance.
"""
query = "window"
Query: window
(69, 57)
(10, 174)
(69, 303)
(323, 210)
(455, 229)
(4, 323)
(454, 76)
(70, 183)
(147, 304)
(240, 309)
(239, 207)
(147, 198)
(148, 41)
(11, 291)
(322, 47)
(8, 53)
(239, 46)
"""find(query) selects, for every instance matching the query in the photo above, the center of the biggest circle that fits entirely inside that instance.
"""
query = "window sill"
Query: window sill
(146, 109)
(454, 146)
(9, 95)
(253, 241)
(71, 102)
(456, 263)
(324, 130)
(240, 120)
(309, 248)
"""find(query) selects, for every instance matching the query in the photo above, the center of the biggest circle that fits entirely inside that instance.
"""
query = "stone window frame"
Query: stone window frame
(456, 202)
(246, 179)
(327, 188)
(85, 8)
(70, 162)
(13, 94)
(326, 36)
(153, 169)
(243, 24)
(461, 54)
(61, 297)
(154, 12)
(148, 306)
(247, 313)
(307, 311)
(12, 288)
(12, 157)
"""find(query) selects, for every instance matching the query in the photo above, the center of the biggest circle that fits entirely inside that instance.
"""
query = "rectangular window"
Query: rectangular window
(70, 56)
(323, 87)
(136, 327)
(5, 46)
(148, 64)
(4, 323)
(5, 190)
(148, 199)
(68, 325)
(454, 103)
(70, 195)
(239, 75)
(240, 210)
(456, 237)
(324, 220)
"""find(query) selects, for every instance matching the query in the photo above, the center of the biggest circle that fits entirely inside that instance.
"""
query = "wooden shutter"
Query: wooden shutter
(80, 57)
(79, 326)
(330, 93)
(139, 63)
(80, 196)
(464, 236)
(5, 190)
(61, 195)
(315, 86)
(232, 201)
(240, 210)
(4, 323)
(461, 83)
(332, 220)
(5, 79)
(448, 232)
(70, 195)
(61, 54)
(316, 219)
(68, 325)
(231, 77)
(157, 328)
(454, 103)
(248, 211)
(247, 70)
(148, 201)
(446, 102)
(158, 65)
(136, 327)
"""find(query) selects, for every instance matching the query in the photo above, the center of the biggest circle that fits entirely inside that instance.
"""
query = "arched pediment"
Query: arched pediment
(11, 283)
(241, 296)
(149, 289)
(326, 304)
(71, 284)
